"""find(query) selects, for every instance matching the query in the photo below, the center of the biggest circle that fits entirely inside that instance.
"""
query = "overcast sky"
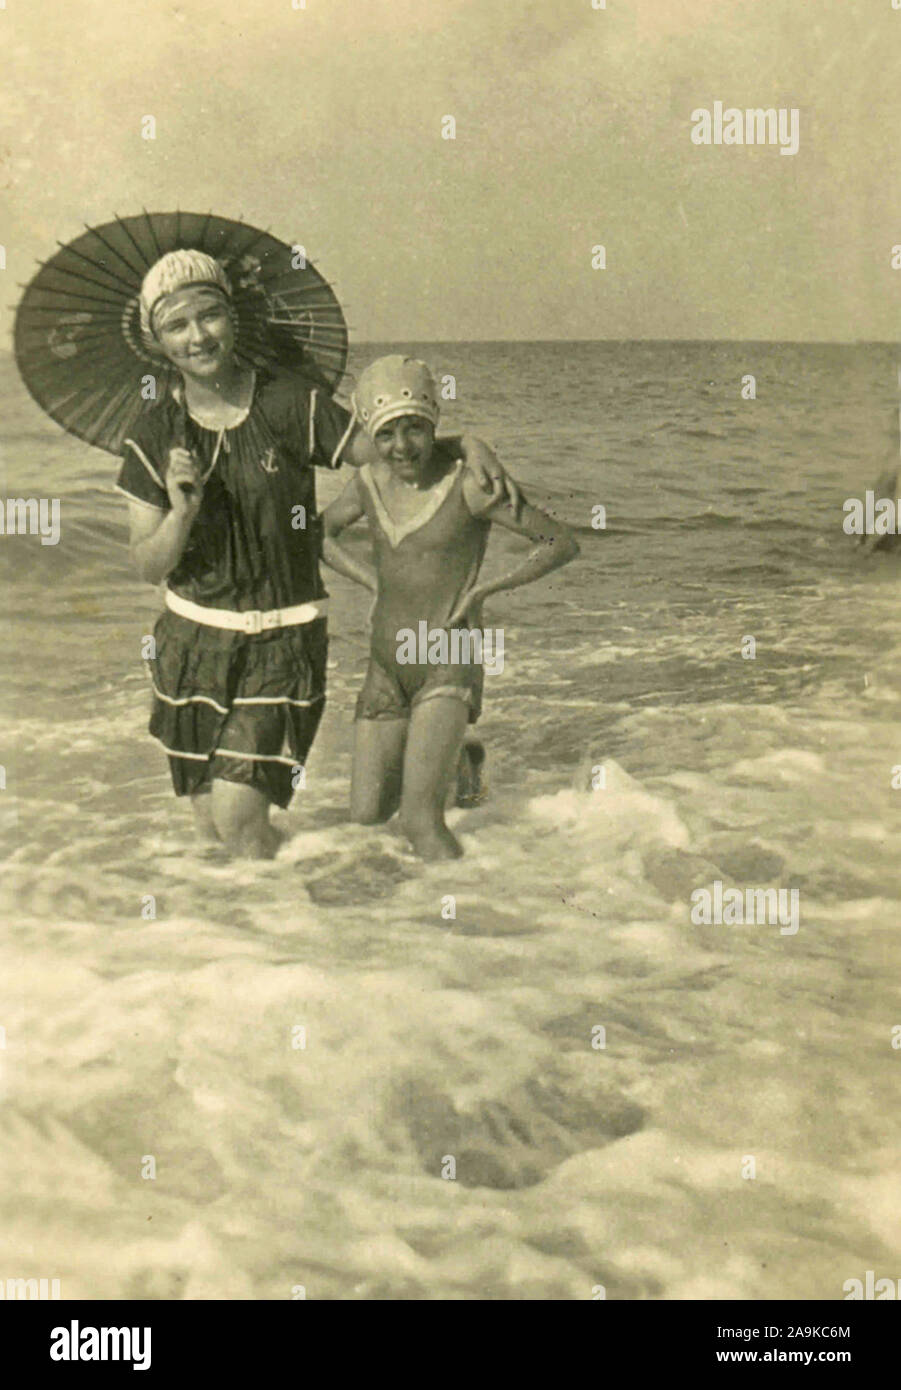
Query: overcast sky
(572, 130)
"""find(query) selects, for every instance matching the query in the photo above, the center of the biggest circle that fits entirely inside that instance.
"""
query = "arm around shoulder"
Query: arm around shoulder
(483, 465)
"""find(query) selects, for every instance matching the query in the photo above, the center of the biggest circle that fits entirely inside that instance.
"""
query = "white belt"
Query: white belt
(254, 620)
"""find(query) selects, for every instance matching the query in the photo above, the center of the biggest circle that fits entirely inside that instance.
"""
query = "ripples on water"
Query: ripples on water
(472, 1038)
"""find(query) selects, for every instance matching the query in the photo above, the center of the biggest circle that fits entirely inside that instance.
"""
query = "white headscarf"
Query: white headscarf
(176, 271)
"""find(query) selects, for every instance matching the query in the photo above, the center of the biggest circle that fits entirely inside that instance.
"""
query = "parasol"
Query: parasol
(78, 339)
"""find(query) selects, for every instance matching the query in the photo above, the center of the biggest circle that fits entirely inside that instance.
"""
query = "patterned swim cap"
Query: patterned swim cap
(176, 271)
(394, 386)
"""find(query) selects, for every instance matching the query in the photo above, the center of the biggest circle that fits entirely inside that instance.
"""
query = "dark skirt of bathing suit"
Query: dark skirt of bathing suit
(253, 704)
(424, 566)
(242, 707)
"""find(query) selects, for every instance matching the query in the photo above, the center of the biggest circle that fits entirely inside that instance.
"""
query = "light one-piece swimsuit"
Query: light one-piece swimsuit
(424, 566)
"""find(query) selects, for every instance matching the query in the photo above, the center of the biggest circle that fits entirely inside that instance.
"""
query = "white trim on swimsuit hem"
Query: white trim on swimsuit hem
(239, 700)
(189, 699)
(146, 462)
(429, 692)
(279, 700)
(229, 753)
(176, 753)
(256, 757)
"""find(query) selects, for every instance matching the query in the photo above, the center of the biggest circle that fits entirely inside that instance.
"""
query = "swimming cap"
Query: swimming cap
(393, 386)
(176, 271)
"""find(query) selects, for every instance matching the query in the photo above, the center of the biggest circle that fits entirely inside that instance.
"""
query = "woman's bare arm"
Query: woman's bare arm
(157, 539)
(488, 473)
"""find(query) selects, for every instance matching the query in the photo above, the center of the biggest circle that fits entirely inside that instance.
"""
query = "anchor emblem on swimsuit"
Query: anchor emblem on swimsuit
(267, 462)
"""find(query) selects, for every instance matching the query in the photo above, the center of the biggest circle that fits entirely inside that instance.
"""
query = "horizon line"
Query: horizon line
(785, 342)
(539, 342)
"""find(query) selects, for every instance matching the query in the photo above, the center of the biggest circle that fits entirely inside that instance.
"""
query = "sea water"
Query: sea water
(528, 1073)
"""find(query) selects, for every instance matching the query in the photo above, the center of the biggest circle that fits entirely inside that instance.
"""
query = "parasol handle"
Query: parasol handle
(181, 442)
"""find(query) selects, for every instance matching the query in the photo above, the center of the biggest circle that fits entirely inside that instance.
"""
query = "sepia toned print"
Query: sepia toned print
(449, 501)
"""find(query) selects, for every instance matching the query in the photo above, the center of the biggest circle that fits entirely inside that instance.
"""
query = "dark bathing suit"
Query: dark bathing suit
(242, 707)
(424, 565)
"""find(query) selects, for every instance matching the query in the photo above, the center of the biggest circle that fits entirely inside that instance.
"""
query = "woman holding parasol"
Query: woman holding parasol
(218, 475)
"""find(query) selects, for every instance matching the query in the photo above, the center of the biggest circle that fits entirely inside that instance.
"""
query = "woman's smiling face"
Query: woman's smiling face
(195, 330)
(405, 444)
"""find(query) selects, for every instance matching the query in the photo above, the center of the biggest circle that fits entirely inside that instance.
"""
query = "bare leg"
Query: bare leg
(241, 818)
(433, 749)
(201, 805)
(377, 767)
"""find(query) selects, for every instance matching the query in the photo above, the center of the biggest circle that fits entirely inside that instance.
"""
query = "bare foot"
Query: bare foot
(436, 844)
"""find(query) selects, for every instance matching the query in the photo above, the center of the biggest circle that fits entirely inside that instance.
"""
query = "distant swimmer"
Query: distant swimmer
(429, 522)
